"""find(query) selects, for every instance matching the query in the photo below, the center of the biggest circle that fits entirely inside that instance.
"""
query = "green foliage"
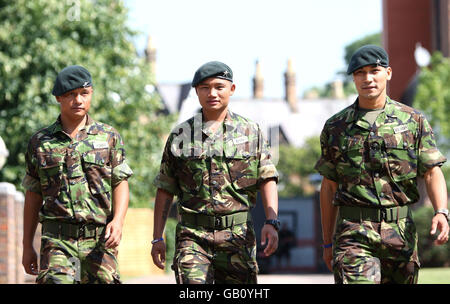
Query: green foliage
(349, 89)
(433, 99)
(295, 165)
(39, 38)
(433, 96)
(430, 255)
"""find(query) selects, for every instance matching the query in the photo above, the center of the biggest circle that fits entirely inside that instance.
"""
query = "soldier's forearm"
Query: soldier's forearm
(328, 212)
(121, 195)
(269, 195)
(436, 187)
(163, 202)
(33, 202)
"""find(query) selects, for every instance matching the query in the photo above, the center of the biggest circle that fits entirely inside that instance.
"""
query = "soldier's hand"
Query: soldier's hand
(440, 222)
(113, 234)
(269, 233)
(159, 254)
(29, 261)
(328, 258)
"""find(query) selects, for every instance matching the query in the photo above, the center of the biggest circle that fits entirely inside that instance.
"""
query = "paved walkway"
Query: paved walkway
(262, 279)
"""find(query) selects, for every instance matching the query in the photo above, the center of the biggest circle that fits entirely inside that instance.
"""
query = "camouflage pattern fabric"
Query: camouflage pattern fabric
(73, 261)
(377, 165)
(369, 252)
(215, 174)
(225, 256)
(76, 176)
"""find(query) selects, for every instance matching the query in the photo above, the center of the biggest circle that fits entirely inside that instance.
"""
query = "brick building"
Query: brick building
(407, 23)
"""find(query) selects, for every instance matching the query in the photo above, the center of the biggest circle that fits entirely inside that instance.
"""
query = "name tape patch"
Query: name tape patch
(240, 140)
(400, 129)
(100, 144)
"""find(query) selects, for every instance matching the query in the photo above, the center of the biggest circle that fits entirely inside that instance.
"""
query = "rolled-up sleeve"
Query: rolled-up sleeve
(428, 154)
(326, 165)
(266, 168)
(31, 181)
(120, 168)
(166, 178)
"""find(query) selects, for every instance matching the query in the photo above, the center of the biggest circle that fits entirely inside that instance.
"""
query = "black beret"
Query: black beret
(70, 78)
(212, 69)
(368, 55)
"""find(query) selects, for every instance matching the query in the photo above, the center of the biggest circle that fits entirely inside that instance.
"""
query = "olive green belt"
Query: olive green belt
(72, 230)
(217, 222)
(373, 214)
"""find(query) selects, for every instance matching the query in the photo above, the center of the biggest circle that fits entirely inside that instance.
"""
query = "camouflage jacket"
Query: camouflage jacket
(377, 166)
(76, 176)
(215, 173)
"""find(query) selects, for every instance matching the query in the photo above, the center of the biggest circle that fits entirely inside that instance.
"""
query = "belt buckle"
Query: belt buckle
(218, 222)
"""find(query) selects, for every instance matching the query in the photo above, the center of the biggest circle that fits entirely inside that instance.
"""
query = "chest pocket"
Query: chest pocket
(243, 171)
(348, 166)
(97, 168)
(50, 173)
(190, 173)
(402, 156)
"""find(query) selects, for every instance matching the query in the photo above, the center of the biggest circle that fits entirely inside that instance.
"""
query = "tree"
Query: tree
(39, 38)
(433, 98)
(295, 165)
(352, 47)
(326, 91)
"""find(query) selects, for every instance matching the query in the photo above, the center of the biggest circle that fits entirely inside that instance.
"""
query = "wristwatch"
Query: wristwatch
(444, 212)
(274, 223)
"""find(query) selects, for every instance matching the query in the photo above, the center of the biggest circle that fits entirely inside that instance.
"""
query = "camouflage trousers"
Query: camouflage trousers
(225, 256)
(375, 252)
(74, 261)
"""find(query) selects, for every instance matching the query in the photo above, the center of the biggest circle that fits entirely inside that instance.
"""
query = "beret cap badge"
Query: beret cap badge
(368, 55)
(71, 78)
(212, 69)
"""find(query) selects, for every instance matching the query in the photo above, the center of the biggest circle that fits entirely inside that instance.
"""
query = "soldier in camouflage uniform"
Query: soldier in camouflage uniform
(372, 154)
(215, 163)
(76, 186)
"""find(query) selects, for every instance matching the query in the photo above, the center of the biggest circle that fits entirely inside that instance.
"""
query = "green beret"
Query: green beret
(368, 55)
(212, 69)
(70, 78)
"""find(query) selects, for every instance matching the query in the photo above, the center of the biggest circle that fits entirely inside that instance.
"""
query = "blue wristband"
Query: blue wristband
(327, 245)
(157, 240)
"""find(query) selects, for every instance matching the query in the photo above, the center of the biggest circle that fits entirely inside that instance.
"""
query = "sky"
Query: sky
(311, 33)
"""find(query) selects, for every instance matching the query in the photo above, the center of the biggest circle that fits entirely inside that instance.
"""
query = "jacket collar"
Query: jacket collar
(91, 126)
(353, 113)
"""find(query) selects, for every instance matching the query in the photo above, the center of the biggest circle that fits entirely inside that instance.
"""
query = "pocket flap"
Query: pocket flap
(49, 160)
(99, 157)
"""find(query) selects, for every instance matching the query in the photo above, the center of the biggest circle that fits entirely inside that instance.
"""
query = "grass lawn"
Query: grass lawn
(434, 276)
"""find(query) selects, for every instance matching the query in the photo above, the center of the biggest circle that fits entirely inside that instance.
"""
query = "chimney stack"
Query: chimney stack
(338, 89)
(150, 56)
(258, 82)
(290, 89)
